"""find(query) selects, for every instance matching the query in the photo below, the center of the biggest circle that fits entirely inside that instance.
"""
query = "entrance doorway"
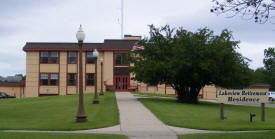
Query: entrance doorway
(121, 78)
(122, 83)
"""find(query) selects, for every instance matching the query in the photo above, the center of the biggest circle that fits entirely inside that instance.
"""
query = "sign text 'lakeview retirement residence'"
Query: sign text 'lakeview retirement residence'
(242, 96)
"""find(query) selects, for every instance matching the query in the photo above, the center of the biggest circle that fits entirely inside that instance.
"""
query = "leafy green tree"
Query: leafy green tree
(190, 60)
(266, 74)
(21, 75)
(260, 76)
(269, 63)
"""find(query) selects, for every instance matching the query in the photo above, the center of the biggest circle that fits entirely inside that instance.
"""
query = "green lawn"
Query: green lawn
(261, 135)
(57, 113)
(205, 115)
(58, 136)
(272, 102)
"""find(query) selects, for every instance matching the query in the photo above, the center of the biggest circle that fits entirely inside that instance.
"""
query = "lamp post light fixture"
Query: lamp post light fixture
(81, 115)
(101, 77)
(95, 101)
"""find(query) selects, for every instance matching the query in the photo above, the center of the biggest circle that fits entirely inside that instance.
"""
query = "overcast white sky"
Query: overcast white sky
(24, 21)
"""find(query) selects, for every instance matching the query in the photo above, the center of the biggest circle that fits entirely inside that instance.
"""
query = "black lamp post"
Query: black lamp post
(96, 100)
(101, 77)
(81, 116)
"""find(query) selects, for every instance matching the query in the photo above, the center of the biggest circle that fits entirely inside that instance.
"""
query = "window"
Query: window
(48, 79)
(90, 79)
(71, 79)
(53, 57)
(90, 58)
(121, 71)
(54, 79)
(120, 59)
(49, 57)
(72, 57)
(44, 57)
(43, 79)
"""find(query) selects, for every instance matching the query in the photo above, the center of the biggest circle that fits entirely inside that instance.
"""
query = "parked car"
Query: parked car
(4, 95)
(271, 96)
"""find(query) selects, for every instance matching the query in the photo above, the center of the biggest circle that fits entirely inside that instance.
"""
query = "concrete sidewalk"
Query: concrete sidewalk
(137, 122)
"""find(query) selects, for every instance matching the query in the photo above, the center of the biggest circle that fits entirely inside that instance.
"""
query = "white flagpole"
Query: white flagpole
(122, 20)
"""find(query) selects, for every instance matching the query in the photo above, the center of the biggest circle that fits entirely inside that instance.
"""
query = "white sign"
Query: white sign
(242, 96)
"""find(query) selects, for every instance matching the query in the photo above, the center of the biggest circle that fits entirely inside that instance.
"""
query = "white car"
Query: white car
(271, 96)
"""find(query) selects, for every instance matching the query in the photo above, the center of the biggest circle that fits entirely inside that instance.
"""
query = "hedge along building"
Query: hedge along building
(52, 68)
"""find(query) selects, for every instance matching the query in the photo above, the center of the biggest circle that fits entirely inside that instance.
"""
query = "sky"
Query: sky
(24, 21)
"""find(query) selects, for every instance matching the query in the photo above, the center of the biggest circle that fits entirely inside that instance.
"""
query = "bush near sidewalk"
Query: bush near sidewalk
(205, 115)
(57, 113)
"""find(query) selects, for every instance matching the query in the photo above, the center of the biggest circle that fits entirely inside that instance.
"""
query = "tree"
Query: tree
(21, 75)
(189, 60)
(266, 74)
(260, 76)
(259, 10)
(269, 63)
(269, 59)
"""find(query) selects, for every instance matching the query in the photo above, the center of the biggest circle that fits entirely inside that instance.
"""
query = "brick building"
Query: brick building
(52, 69)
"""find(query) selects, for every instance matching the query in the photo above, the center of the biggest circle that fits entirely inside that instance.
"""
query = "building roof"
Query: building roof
(259, 85)
(13, 84)
(11, 79)
(58, 46)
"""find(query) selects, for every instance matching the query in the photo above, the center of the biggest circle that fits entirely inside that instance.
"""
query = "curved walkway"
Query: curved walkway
(137, 122)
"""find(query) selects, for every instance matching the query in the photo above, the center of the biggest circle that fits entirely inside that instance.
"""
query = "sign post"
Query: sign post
(246, 96)
(221, 111)
(262, 112)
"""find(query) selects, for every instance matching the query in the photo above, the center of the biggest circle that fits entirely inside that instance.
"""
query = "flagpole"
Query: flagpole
(122, 18)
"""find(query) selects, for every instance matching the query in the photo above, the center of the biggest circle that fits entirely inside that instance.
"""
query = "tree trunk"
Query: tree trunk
(188, 95)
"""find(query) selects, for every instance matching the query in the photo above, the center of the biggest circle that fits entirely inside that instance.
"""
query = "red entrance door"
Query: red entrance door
(122, 83)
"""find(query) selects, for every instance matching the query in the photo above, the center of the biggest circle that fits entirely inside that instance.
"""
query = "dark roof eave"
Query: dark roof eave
(85, 49)
(108, 45)
(12, 84)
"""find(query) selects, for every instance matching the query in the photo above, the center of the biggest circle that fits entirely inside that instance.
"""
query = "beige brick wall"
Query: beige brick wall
(49, 68)
(160, 89)
(46, 90)
(71, 90)
(209, 92)
(13, 91)
(108, 67)
(32, 77)
(63, 74)
(72, 68)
